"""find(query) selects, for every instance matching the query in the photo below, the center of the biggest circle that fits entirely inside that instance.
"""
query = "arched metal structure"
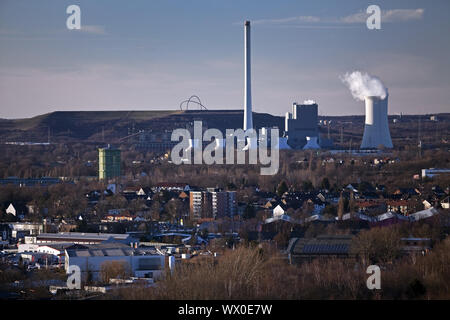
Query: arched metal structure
(191, 99)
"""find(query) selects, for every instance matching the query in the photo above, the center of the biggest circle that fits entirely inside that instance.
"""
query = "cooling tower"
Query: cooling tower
(248, 117)
(376, 129)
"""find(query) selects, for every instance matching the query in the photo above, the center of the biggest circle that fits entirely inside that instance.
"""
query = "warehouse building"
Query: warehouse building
(82, 238)
(90, 259)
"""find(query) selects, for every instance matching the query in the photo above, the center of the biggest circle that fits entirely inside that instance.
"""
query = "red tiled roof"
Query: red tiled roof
(397, 203)
(368, 204)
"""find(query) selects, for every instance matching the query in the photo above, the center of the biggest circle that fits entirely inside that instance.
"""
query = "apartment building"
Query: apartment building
(212, 204)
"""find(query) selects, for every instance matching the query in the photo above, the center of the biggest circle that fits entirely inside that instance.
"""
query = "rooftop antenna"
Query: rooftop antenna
(351, 137)
(436, 132)
(419, 143)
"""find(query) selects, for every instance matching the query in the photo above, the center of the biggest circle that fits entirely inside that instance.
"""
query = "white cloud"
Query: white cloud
(399, 15)
(394, 15)
(290, 20)
(93, 29)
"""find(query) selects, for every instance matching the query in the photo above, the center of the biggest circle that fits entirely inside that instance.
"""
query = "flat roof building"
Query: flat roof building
(83, 238)
(212, 204)
(430, 173)
(92, 258)
(30, 182)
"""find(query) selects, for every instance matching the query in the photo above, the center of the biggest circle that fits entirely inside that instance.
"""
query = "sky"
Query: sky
(153, 54)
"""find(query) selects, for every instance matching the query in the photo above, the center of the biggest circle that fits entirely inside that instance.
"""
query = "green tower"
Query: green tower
(108, 163)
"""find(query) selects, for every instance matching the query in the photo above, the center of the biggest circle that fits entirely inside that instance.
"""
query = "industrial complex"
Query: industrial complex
(298, 131)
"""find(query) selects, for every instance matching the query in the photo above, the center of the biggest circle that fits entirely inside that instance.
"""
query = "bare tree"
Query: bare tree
(114, 269)
(340, 212)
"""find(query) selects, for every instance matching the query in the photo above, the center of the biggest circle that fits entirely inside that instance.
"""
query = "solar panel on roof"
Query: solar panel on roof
(82, 253)
(325, 248)
(97, 253)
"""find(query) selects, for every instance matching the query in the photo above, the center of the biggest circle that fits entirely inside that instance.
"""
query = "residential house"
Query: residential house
(400, 206)
(357, 216)
(183, 195)
(352, 187)
(279, 210)
(317, 205)
(33, 208)
(445, 203)
(427, 204)
(55, 250)
(171, 187)
(5, 232)
(406, 193)
(412, 245)
(424, 214)
(389, 218)
(430, 173)
(19, 230)
(31, 182)
(119, 217)
(94, 196)
(438, 191)
(17, 210)
(370, 206)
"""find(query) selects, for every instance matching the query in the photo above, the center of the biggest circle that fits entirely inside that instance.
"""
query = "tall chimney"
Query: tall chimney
(248, 116)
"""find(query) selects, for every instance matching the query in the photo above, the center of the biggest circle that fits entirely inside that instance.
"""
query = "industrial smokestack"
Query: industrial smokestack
(248, 117)
(376, 128)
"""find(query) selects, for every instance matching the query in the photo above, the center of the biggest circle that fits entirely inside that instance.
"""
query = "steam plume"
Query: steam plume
(364, 85)
(309, 102)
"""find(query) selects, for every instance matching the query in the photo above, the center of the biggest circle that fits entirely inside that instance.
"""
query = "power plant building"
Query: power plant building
(108, 163)
(301, 123)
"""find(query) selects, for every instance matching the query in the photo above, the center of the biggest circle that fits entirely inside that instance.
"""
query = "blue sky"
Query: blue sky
(149, 55)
